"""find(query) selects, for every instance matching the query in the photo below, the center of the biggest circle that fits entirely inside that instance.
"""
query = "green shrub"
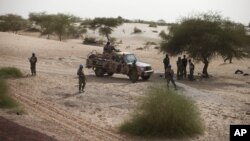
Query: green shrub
(137, 30)
(151, 43)
(89, 41)
(5, 100)
(152, 25)
(10, 72)
(164, 113)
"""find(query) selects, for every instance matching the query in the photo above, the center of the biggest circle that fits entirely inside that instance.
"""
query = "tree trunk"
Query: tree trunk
(60, 37)
(204, 72)
(107, 36)
(48, 37)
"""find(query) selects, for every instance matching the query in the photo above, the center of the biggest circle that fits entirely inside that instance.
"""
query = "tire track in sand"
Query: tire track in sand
(83, 129)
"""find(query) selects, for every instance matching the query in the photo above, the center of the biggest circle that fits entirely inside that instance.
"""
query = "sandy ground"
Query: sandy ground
(55, 108)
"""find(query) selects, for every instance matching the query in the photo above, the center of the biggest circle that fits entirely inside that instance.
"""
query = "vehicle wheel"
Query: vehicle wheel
(99, 72)
(110, 73)
(145, 77)
(133, 76)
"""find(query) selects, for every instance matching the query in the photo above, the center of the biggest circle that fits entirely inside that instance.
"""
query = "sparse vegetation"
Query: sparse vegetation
(10, 72)
(92, 41)
(137, 30)
(152, 25)
(12, 22)
(60, 24)
(164, 113)
(150, 43)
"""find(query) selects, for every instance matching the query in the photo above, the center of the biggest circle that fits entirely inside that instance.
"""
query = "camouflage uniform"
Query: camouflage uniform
(169, 74)
(191, 69)
(33, 61)
(179, 68)
(166, 62)
(82, 79)
(184, 63)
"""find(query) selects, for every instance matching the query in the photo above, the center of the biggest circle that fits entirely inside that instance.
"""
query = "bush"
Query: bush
(10, 72)
(154, 31)
(151, 43)
(164, 113)
(5, 100)
(89, 41)
(137, 30)
(152, 25)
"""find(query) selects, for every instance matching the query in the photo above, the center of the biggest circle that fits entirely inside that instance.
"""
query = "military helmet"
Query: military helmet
(81, 66)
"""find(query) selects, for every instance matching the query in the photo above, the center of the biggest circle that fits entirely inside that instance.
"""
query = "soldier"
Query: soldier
(169, 75)
(166, 62)
(184, 62)
(179, 68)
(33, 61)
(82, 78)
(106, 48)
(191, 70)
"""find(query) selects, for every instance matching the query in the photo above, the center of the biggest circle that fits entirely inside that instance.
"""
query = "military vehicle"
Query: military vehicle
(120, 63)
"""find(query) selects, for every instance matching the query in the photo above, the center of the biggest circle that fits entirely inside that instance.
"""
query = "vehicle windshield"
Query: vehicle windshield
(129, 58)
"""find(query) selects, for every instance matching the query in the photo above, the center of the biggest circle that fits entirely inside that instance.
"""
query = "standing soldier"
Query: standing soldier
(166, 62)
(82, 79)
(33, 61)
(191, 70)
(169, 75)
(184, 62)
(179, 68)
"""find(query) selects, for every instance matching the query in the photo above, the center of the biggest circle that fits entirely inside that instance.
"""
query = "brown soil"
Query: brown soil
(10, 131)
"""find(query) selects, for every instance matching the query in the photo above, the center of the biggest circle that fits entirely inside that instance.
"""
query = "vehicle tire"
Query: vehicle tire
(133, 76)
(145, 77)
(110, 73)
(99, 72)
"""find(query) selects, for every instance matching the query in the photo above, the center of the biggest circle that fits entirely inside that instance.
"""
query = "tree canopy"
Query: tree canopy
(60, 24)
(12, 22)
(205, 36)
(105, 25)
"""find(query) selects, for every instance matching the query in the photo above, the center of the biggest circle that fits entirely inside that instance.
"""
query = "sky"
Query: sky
(169, 10)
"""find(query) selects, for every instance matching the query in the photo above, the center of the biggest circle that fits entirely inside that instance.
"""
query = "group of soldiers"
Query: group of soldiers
(181, 69)
(108, 49)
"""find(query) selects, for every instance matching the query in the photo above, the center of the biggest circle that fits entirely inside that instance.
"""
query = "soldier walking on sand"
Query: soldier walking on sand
(166, 62)
(33, 61)
(184, 63)
(179, 68)
(169, 75)
(82, 78)
(191, 70)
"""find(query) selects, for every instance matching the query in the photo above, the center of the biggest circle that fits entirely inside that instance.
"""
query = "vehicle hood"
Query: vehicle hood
(141, 64)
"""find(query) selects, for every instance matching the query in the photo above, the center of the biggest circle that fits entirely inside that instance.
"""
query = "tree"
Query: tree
(12, 22)
(45, 21)
(60, 24)
(105, 25)
(205, 36)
